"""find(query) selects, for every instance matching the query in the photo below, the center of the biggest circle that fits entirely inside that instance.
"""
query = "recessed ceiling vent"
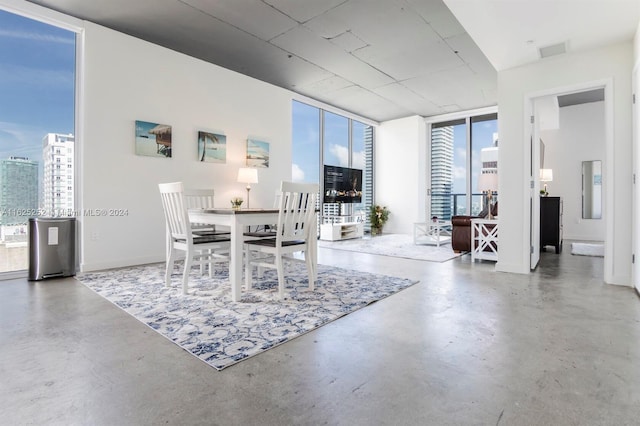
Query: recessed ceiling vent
(554, 49)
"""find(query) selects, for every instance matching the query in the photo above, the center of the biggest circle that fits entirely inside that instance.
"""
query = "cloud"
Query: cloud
(358, 160)
(37, 36)
(459, 172)
(341, 153)
(297, 174)
(34, 77)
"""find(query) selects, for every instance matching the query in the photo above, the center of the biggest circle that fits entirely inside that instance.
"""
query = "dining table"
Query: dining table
(238, 220)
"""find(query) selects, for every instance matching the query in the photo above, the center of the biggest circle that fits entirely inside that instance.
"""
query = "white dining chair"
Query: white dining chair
(265, 231)
(203, 199)
(198, 249)
(295, 228)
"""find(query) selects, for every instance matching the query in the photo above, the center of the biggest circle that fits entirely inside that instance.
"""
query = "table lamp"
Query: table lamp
(488, 182)
(546, 175)
(248, 175)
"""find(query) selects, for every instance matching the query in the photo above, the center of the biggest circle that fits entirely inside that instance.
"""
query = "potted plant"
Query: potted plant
(378, 216)
(236, 202)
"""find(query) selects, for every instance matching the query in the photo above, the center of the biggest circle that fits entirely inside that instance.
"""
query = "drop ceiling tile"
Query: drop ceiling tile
(302, 11)
(242, 14)
(406, 25)
(324, 86)
(348, 41)
(455, 86)
(406, 98)
(305, 44)
(402, 64)
(470, 53)
(376, 107)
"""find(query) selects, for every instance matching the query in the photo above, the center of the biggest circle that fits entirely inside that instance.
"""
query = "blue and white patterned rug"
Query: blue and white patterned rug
(220, 332)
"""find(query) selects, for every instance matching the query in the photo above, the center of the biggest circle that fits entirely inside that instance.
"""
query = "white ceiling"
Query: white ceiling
(510, 32)
(380, 59)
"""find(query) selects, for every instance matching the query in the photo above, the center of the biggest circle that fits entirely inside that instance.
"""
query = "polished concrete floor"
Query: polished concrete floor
(465, 346)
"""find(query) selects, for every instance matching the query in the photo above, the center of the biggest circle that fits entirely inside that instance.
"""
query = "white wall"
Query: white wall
(580, 137)
(612, 63)
(127, 79)
(635, 228)
(400, 158)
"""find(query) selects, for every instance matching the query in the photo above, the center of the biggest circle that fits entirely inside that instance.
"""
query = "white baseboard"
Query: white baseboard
(122, 263)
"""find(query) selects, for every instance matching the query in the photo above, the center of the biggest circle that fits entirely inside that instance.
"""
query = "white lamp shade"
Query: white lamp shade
(248, 175)
(488, 181)
(546, 175)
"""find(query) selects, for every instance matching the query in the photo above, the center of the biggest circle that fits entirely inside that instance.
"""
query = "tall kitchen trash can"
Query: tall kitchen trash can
(52, 247)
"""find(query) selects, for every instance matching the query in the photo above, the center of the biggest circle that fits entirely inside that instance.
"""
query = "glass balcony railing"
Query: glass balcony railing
(447, 204)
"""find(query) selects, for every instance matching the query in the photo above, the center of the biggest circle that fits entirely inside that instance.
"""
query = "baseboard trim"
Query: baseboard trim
(123, 263)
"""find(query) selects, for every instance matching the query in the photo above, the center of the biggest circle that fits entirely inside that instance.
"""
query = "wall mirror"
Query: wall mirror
(592, 189)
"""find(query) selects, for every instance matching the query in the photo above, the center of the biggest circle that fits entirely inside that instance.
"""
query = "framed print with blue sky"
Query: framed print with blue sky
(257, 153)
(153, 139)
(212, 147)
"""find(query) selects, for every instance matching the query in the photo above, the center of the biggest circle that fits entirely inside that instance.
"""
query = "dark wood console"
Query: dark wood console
(551, 223)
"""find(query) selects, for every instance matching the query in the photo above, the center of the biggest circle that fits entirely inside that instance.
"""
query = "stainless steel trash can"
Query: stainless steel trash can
(52, 247)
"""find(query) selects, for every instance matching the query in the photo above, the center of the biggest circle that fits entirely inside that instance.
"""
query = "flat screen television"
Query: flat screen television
(342, 185)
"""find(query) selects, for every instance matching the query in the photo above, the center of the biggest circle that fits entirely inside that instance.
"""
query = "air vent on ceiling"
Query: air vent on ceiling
(554, 49)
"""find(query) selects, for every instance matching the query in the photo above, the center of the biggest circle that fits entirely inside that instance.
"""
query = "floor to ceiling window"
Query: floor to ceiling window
(37, 82)
(461, 150)
(324, 138)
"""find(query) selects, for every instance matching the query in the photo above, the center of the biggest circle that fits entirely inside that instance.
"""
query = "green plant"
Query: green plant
(378, 216)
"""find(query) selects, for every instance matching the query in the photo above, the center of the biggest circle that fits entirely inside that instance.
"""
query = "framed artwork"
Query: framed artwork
(153, 139)
(257, 153)
(212, 147)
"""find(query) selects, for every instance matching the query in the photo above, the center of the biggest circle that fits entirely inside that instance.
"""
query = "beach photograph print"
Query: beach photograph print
(212, 148)
(257, 153)
(153, 139)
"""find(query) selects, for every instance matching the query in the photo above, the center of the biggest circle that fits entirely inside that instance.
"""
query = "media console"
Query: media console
(341, 231)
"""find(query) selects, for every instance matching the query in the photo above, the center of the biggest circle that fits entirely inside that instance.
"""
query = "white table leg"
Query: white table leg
(235, 263)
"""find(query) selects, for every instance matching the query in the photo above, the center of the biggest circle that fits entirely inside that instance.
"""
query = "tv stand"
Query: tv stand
(341, 231)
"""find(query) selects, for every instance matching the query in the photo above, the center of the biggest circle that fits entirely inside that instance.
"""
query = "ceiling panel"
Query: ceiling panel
(242, 14)
(302, 42)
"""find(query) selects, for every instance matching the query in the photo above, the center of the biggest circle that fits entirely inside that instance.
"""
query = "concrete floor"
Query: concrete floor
(465, 346)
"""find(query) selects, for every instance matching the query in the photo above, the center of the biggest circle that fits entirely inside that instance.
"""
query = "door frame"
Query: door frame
(534, 217)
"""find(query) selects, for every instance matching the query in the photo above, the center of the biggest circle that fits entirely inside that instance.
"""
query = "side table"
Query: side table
(432, 232)
(484, 239)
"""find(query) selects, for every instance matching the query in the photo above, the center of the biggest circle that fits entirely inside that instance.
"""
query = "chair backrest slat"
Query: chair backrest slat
(297, 210)
(199, 198)
(175, 211)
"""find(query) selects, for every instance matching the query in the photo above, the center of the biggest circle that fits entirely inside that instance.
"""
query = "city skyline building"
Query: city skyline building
(18, 190)
(441, 172)
(58, 172)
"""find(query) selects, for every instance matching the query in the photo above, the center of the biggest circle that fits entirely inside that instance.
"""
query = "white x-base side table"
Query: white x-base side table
(434, 232)
(484, 239)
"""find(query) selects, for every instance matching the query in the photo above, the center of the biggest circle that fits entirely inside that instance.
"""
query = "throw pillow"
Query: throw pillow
(494, 210)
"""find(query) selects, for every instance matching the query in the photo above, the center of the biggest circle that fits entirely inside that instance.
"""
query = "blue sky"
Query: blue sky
(37, 74)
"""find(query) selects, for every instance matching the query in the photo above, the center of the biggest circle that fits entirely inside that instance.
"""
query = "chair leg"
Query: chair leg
(310, 271)
(280, 268)
(188, 260)
(170, 260)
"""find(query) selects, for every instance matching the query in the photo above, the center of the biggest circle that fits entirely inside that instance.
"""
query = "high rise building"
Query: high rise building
(18, 190)
(58, 161)
(441, 172)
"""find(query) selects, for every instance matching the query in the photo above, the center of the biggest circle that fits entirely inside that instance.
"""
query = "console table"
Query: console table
(551, 223)
(341, 227)
(484, 239)
(434, 232)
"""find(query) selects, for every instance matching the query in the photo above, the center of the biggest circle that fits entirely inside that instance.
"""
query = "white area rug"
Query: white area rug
(587, 249)
(395, 245)
(220, 332)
